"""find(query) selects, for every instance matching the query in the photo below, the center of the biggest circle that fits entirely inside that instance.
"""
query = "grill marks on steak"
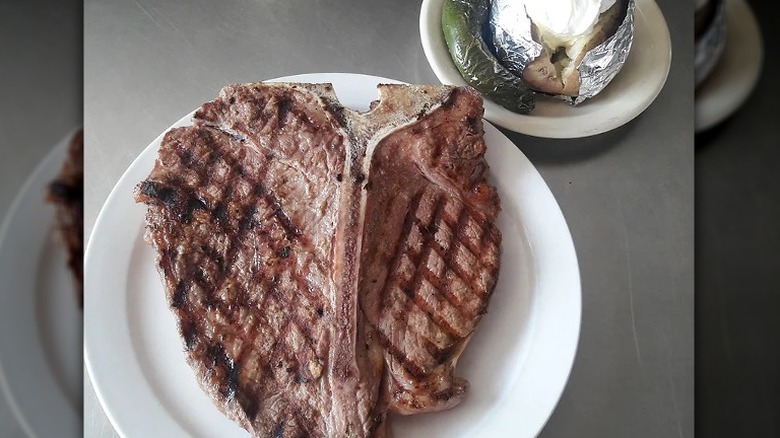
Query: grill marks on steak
(427, 282)
(325, 266)
(245, 273)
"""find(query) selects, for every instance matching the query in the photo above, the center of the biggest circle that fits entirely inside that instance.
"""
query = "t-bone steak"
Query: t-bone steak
(326, 266)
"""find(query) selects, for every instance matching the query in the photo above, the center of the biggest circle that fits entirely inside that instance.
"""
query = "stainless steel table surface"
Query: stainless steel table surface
(627, 195)
(40, 69)
(738, 260)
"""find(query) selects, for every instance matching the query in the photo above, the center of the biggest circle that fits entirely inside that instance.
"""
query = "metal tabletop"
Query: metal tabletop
(41, 73)
(627, 195)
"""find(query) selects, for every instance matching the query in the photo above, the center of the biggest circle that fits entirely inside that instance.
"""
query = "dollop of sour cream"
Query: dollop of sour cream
(563, 21)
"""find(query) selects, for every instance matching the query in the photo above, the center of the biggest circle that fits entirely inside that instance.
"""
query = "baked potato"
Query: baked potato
(556, 70)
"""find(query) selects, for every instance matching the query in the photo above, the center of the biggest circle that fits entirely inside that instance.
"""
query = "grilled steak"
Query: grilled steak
(67, 193)
(326, 266)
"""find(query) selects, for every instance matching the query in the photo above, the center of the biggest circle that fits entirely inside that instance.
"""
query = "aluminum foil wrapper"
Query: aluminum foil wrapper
(710, 45)
(515, 47)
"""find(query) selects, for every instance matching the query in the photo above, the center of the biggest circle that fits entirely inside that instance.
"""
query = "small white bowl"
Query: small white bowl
(735, 75)
(630, 92)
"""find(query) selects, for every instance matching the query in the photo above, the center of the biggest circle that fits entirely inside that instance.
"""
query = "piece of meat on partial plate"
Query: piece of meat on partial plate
(66, 192)
(326, 266)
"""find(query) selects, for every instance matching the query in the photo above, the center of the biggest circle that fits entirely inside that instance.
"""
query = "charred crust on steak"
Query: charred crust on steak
(222, 362)
(160, 192)
(338, 113)
(185, 156)
(444, 354)
(179, 295)
(66, 191)
(284, 252)
(278, 430)
(220, 213)
(249, 405)
(182, 203)
(189, 333)
(283, 109)
(474, 127)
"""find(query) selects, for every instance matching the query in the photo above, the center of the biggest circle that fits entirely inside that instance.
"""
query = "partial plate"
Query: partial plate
(518, 360)
(627, 95)
(40, 321)
(736, 74)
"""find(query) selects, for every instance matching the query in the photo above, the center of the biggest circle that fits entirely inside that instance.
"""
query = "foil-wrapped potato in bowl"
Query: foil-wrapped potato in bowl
(569, 49)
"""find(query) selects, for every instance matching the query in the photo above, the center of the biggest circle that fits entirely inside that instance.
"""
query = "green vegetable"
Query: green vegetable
(462, 22)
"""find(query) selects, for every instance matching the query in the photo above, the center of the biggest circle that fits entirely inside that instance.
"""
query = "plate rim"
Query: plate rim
(735, 9)
(430, 11)
(117, 190)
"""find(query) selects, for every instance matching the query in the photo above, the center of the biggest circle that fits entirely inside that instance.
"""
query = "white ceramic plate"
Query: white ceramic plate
(518, 360)
(736, 73)
(627, 95)
(40, 321)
